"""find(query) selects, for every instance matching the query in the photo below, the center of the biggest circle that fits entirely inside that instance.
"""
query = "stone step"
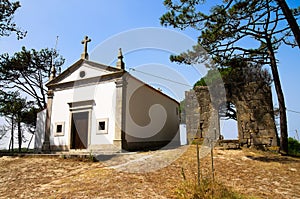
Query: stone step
(228, 144)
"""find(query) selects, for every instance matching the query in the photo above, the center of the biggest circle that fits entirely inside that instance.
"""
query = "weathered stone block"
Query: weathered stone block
(253, 102)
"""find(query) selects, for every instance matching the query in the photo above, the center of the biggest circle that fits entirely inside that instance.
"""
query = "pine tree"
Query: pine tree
(7, 26)
(27, 71)
(247, 30)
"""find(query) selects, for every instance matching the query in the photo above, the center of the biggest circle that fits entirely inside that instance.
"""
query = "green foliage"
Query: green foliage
(11, 104)
(225, 28)
(181, 106)
(212, 76)
(28, 70)
(25, 72)
(18, 111)
(294, 146)
(7, 26)
(197, 141)
(236, 73)
(29, 117)
(91, 157)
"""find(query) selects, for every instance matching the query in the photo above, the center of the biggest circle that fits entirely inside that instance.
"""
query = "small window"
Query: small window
(82, 74)
(102, 126)
(59, 129)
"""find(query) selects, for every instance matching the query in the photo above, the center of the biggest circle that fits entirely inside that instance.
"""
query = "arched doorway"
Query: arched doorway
(228, 121)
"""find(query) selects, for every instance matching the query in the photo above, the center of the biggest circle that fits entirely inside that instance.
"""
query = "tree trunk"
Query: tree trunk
(280, 97)
(290, 19)
(9, 147)
(19, 134)
(12, 134)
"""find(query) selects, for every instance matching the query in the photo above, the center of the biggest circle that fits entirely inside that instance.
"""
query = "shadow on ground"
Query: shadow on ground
(280, 159)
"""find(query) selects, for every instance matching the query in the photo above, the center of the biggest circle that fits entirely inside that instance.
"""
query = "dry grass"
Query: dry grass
(251, 173)
(207, 190)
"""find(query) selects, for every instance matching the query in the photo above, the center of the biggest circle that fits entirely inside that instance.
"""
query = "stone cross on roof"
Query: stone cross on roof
(85, 41)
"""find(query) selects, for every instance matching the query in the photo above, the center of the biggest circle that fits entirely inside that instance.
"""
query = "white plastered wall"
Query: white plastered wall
(103, 95)
(40, 130)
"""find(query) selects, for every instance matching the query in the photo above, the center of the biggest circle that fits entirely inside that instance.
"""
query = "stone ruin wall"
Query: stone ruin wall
(254, 109)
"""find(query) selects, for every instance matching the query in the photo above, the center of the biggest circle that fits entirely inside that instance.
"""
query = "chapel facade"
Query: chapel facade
(95, 107)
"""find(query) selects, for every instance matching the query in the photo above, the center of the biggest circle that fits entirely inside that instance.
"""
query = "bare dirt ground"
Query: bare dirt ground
(257, 174)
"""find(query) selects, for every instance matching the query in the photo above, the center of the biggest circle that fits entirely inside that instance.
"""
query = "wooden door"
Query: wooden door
(79, 130)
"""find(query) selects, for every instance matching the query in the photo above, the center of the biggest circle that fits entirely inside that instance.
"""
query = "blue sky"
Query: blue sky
(100, 20)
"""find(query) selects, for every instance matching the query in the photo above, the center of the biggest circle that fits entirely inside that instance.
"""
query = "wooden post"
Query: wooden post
(198, 165)
(212, 163)
(212, 171)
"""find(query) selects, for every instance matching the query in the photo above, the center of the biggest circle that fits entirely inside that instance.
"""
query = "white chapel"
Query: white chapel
(95, 107)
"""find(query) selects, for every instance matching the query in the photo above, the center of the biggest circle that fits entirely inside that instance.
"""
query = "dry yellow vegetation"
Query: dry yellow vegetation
(249, 172)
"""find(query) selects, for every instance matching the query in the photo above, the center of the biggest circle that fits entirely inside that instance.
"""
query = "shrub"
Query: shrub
(207, 188)
(294, 146)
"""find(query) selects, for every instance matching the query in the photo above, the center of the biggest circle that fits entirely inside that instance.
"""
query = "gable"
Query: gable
(83, 69)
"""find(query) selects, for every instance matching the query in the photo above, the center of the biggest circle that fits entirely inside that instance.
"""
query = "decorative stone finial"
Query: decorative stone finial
(52, 73)
(120, 63)
(85, 41)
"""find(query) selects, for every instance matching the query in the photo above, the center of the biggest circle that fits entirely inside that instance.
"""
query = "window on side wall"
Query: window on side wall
(59, 129)
(102, 126)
